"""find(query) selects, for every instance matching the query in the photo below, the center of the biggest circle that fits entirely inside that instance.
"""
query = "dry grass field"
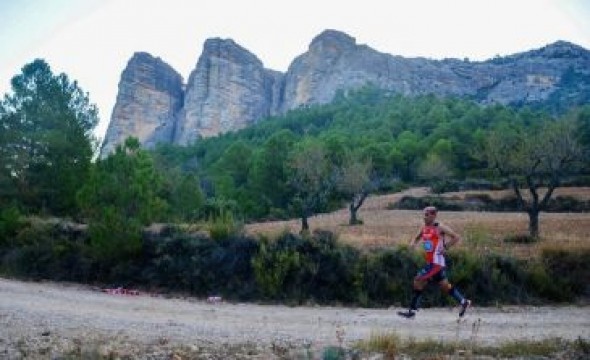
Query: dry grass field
(481, 231)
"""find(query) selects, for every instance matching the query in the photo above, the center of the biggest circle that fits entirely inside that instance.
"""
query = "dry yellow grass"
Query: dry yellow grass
(482, 231)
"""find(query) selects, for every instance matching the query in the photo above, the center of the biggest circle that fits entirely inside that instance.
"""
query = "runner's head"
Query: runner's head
(430, 214)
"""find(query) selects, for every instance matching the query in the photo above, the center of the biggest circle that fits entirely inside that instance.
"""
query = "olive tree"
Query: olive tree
(353, 180)
(310, 179)
(533, 161)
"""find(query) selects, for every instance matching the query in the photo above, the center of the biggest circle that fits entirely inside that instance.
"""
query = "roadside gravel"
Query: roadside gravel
(43, 320)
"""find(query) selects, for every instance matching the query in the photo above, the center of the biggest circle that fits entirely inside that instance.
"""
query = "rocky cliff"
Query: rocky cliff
(149, 99)
(230, 89)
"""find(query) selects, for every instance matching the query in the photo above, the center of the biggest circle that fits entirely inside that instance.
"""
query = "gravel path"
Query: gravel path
(49, 318)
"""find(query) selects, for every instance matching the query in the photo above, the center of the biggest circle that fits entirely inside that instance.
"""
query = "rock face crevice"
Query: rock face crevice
(230, 88)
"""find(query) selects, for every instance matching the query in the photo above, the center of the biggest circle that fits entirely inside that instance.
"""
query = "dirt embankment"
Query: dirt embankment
(50, 318)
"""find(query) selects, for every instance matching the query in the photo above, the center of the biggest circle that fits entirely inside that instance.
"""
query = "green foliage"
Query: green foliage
(184, 196)
(10, 223)
(385, 276)
(46, 142)
(43, 250)
(223, 225)
(271, 268)
(268, 177)
(295, 269)
(567, 268)
(128, 182)
(531, 158)
(113, 237)
(408, 140)
(201, 265)
(305, 268)
(310, 179)
(120, 198)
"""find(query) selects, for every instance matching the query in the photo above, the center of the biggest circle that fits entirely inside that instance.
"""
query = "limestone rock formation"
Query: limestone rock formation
(149, 99)
(335, 62)
(230, 89)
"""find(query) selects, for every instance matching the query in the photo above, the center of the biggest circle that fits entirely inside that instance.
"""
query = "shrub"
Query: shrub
(388, 344)
(568, 269)
(223, 225)
(521, 239)
(10, 222)
(272, 266)
(419, 203)
(200, 265)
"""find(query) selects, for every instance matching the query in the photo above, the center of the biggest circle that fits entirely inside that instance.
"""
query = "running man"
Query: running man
(436, 238)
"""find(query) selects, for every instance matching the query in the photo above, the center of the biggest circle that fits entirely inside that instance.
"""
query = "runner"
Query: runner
(436, 238)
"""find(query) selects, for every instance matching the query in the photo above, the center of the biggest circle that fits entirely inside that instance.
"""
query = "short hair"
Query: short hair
(430, 209)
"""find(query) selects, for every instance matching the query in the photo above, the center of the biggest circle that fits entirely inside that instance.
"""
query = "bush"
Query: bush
(46, 252)
(10, 223)
(385, 276)
(419, 203)
(292, 268)
(305, 268)
(223, 225)
(568, 269)
(521, 239)
(200, 265)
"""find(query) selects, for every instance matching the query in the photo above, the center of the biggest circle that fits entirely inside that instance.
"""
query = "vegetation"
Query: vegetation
(533, 158)
(45, 141)
(314, 268)
(309, 161)
(390, 345)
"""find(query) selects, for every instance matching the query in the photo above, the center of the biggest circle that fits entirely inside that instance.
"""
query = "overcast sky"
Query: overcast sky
(92, 40)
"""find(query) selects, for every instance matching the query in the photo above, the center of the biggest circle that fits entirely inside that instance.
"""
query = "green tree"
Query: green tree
(185, 197)
(310, 179)
(46, 142)
(434, 167)
(230, 171)
(267, 177)
(354, 181)
(409, 146)
(121, 196)
(534, 160)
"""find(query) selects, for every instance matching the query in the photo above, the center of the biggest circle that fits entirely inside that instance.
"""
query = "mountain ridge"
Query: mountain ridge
(230, 88)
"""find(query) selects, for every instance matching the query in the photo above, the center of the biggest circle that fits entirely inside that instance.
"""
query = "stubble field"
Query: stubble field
(481, 231)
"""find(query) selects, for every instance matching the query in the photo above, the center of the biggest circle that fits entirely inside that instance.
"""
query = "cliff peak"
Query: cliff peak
(332, 39)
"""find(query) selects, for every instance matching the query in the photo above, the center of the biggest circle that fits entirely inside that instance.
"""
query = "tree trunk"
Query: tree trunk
(304, 224)
(534, 223)
(353, 215)
(355, 206)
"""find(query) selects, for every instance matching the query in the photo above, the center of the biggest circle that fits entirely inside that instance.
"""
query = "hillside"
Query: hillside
(482, 231)
(230, 88)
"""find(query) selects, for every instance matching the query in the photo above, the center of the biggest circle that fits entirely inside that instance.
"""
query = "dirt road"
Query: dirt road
(45, 318)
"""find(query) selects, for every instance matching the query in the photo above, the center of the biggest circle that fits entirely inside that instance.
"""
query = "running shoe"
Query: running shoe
(409, 314)
(464, 306)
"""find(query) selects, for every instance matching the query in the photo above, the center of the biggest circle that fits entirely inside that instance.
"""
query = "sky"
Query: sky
(91, 41)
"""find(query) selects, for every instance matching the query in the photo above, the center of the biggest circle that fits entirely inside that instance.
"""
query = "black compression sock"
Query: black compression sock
(456, 294)
(416, 299)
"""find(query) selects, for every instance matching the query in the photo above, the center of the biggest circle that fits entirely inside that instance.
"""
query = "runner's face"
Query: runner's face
(429, 216)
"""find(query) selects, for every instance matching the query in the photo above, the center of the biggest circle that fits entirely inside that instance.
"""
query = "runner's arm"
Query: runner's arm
(415, 239)
(451, 237)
